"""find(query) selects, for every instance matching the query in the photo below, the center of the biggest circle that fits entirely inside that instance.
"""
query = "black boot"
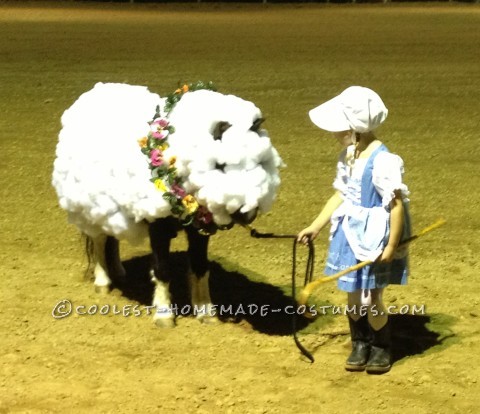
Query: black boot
(360, 333)
(380, 360)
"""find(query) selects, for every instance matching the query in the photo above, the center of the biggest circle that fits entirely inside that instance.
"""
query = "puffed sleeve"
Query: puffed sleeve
(388, 177)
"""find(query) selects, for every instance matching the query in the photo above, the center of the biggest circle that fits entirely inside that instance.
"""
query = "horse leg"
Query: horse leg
(114, 264)
(161, 233)
(106, 254)
(102, 280)
(198, 276)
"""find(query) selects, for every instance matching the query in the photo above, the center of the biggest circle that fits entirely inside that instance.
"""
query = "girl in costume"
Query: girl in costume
(369, 218)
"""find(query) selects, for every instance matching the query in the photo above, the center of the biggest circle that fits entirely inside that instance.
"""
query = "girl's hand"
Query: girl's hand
(387, 254)
(309, 233)
(396, 228)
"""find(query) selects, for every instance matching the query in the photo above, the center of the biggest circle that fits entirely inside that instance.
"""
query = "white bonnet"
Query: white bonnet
(357, 108)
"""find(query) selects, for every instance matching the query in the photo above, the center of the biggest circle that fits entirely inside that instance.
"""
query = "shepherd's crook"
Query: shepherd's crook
(307, 290)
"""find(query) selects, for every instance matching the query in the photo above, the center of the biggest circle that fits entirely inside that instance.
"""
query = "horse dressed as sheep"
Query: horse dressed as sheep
(202, 163)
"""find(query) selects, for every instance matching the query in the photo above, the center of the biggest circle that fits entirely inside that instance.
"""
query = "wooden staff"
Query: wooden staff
(307, 290)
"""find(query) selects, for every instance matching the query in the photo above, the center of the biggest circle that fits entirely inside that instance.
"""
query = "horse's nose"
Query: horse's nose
(244, 218)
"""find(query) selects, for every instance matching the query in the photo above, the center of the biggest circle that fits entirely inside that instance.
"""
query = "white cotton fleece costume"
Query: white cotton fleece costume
(102, 178)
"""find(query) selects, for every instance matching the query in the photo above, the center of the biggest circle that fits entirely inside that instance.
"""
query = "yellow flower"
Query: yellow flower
(160, 185)
(172, 160)
(143, 142)
(177, 91)
(163, 146)
(190, 204)
(185, 88)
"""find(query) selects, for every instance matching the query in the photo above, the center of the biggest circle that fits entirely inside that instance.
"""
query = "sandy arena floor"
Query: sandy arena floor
(423, 60)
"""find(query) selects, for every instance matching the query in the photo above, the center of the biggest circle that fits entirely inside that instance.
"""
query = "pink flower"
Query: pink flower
(160, 123)
(156, 158)
(178, 191)
(163, 122)
(160, 134)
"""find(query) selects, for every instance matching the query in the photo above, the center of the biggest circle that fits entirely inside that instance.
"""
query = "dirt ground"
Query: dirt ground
(422, 59)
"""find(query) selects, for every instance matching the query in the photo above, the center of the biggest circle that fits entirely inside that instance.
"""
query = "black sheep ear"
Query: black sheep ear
(219, 129)
(256, 124)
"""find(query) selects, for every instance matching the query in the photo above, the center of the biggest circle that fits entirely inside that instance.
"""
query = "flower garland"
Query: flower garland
(184, 206)
(174, 97)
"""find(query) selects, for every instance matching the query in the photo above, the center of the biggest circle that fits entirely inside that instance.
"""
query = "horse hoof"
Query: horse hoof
(208, 320)
(165, 323)
(102, 290)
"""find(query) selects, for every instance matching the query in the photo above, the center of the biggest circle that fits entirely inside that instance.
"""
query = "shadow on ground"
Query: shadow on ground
(260, 304)
(239, 297)
(416, 334)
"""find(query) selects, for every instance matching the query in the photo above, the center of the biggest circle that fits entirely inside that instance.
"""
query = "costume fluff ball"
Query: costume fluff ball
(104, 180)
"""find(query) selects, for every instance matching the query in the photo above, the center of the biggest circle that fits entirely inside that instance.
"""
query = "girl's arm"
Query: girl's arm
(311, 232)
(396, 228)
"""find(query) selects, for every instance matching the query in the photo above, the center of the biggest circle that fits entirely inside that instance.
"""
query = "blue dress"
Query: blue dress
(362, 194)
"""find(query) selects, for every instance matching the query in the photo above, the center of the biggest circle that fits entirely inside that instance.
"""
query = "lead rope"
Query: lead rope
(308, 277)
